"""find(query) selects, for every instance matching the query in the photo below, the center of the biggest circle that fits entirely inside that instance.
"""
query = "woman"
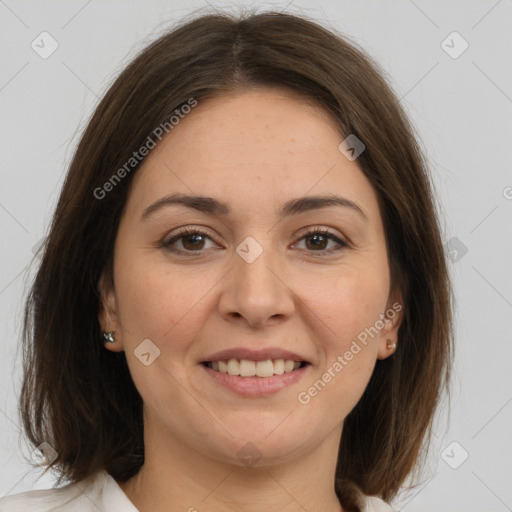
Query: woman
(243, 301)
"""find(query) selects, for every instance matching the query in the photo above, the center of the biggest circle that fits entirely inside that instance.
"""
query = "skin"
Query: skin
(254, 150)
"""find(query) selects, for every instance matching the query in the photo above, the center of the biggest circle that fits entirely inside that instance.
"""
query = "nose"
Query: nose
(257, 293)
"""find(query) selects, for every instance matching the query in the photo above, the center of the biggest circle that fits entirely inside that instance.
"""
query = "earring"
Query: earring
(391, 345)
(109, 337)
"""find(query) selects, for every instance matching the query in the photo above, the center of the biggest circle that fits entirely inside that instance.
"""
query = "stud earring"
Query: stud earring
(391, 345)
(109, 337)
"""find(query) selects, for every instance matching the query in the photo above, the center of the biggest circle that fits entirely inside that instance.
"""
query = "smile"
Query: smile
(249, 368)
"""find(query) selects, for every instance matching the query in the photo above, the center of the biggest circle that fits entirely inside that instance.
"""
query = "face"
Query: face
(251, 281)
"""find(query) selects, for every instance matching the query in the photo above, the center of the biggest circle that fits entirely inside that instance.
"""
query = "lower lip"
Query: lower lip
(256, 386)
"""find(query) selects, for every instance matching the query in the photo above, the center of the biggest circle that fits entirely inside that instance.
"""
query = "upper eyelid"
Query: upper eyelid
(307, 231)
(303, 231)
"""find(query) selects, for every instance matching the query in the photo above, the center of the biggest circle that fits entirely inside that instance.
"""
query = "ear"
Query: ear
(393, 317)
(107, 314)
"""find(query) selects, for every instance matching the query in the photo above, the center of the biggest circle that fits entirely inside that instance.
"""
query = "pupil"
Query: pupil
(197, 238)
(316, 244)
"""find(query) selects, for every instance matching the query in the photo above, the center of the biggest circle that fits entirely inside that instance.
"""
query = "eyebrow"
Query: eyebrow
(215, 207)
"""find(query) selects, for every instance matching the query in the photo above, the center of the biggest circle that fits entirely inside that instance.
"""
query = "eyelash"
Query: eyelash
(167, 245)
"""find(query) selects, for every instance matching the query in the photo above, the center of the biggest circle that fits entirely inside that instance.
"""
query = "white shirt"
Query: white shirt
(100, 492)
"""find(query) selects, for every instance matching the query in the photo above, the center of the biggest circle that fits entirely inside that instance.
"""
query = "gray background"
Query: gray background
(460, 106)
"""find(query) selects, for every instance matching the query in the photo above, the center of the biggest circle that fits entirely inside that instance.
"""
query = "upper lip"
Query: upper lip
(253, 355)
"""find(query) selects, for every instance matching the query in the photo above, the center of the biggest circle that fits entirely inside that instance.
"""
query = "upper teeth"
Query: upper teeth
(247, 368)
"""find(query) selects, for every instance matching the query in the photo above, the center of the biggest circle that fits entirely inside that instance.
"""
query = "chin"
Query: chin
(259, 445)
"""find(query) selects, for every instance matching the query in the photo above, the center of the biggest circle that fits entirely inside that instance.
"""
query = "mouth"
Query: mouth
(249, 368)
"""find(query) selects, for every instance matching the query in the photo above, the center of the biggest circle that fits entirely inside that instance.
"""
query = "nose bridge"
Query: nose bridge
(256, 291)
(255, 266)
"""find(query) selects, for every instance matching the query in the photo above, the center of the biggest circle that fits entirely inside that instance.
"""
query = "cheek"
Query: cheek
(346, 302)
(347, 307)
(159, 301)
(163, 306)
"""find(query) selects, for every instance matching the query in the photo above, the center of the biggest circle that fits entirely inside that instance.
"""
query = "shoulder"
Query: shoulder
(374, 504)
(97, 492)
(70, 497)
(352, 496)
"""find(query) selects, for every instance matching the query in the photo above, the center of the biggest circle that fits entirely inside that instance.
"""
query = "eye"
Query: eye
(192, 240)
(316, 240)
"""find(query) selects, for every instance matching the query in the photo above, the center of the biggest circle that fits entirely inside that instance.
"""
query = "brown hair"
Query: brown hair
(80, 398)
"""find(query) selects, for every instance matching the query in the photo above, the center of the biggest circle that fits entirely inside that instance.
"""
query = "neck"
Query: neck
(176, 475)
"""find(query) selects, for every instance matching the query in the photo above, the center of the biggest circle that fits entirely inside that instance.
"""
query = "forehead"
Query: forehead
(261, 145)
